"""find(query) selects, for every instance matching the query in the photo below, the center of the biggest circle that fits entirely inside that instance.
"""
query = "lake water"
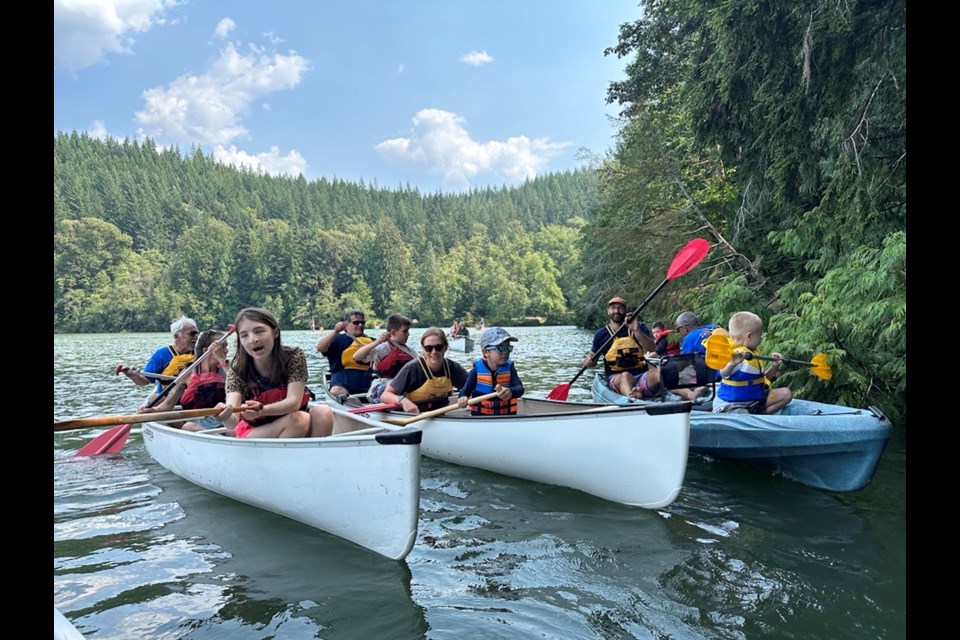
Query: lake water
(742, 553)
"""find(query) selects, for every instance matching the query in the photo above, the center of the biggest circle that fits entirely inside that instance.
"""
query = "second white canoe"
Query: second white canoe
(633, 455)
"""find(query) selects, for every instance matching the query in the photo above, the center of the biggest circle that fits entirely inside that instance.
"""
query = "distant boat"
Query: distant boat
(462, 343)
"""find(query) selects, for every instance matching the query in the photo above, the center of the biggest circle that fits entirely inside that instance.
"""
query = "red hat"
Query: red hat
(616, 300)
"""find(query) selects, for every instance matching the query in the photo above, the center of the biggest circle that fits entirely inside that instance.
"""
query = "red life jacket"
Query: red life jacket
(269, 396)
(204, 390)
(390, 366)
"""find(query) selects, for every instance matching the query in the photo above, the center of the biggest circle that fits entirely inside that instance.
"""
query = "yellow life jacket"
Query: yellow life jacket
(346, 358)
(179, 362)
(434, 392)
(624, 354)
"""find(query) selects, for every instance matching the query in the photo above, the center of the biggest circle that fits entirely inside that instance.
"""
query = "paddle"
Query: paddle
(193, 365)
(686, 259)
(136, 418)
(383, 406)
(436, 412)
(110, 441)
(720, 349)
(146, 374)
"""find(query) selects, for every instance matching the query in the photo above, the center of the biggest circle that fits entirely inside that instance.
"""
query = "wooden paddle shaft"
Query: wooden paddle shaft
(436, 412)
(137, 418)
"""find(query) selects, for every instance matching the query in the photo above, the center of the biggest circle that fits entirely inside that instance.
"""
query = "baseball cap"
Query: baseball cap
(493, 336)
(616, 300)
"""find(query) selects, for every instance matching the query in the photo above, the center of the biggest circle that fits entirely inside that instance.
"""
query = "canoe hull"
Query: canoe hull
(462, 344)
(631, 455)
(358, 488)
(821, 445)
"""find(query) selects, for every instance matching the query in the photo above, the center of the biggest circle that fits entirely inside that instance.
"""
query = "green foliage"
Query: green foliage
(219, 239)
(777, 130)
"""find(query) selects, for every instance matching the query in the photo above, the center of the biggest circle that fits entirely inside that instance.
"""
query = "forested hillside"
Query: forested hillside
(143, 234)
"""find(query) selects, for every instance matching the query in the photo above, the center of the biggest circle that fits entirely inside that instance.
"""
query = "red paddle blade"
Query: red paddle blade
(110, 441)
(688, 257)
(559, 392)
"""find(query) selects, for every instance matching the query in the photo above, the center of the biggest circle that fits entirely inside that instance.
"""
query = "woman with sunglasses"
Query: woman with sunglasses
(347, 374)
(494, 371)
(168, 361)
(425, 384)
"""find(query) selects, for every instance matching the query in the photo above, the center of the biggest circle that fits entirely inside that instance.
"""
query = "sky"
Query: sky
(441, 95)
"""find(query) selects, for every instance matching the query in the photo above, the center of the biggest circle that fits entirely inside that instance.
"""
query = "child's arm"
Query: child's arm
(364, 353)
(467, 389)
(515, 387)
(773, 371)
(735, 359)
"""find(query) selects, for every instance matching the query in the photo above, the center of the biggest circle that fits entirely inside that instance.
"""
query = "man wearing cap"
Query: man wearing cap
(493, 371)
(622, 346)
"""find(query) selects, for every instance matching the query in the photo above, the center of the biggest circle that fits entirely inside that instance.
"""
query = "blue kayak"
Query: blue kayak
(822, 445)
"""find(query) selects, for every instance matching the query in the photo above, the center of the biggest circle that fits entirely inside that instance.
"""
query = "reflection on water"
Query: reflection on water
(742, 553)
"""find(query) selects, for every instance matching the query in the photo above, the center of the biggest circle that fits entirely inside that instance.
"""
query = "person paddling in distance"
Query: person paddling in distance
(387, 354)
(744, 386)
(623, 344)
(347, 374)
(493, 371)
(205, 386)
(425, 384)
(169, 360)
(273, 377)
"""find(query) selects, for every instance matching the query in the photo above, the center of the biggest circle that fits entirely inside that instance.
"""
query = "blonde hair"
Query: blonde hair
(743, 321)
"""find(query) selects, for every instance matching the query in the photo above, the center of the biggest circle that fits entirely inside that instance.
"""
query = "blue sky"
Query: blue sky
(439, 94)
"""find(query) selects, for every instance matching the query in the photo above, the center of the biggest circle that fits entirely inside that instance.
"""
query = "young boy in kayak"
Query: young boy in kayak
(493, 371)
(387, 354)
(745, 386)
(273, 378)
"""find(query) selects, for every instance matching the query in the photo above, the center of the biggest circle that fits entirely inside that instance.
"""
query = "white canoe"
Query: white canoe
(633, 455)
(461, 344)
(364, 488)
(63, 629)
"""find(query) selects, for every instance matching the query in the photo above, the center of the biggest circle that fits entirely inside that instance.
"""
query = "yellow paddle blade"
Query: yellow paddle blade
(719, 349)
(821, 368)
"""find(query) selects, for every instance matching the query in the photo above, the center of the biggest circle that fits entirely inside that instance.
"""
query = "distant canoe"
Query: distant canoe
(462, 344)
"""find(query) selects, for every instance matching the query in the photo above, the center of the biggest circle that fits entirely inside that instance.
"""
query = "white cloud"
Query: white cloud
(86, 31)
(207, 108)
(292, 164)
(98, 130)
(476, 58)
(400, 68)
(440, 143)
(224, 27)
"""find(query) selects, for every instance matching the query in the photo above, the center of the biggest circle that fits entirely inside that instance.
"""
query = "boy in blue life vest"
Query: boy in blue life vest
(494, 368)
(745, 386)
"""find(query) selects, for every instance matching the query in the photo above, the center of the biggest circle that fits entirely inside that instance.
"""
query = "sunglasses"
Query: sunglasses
(193, 333)
(429, 348)
(358, 323)
(501, 348)
(681, 327)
